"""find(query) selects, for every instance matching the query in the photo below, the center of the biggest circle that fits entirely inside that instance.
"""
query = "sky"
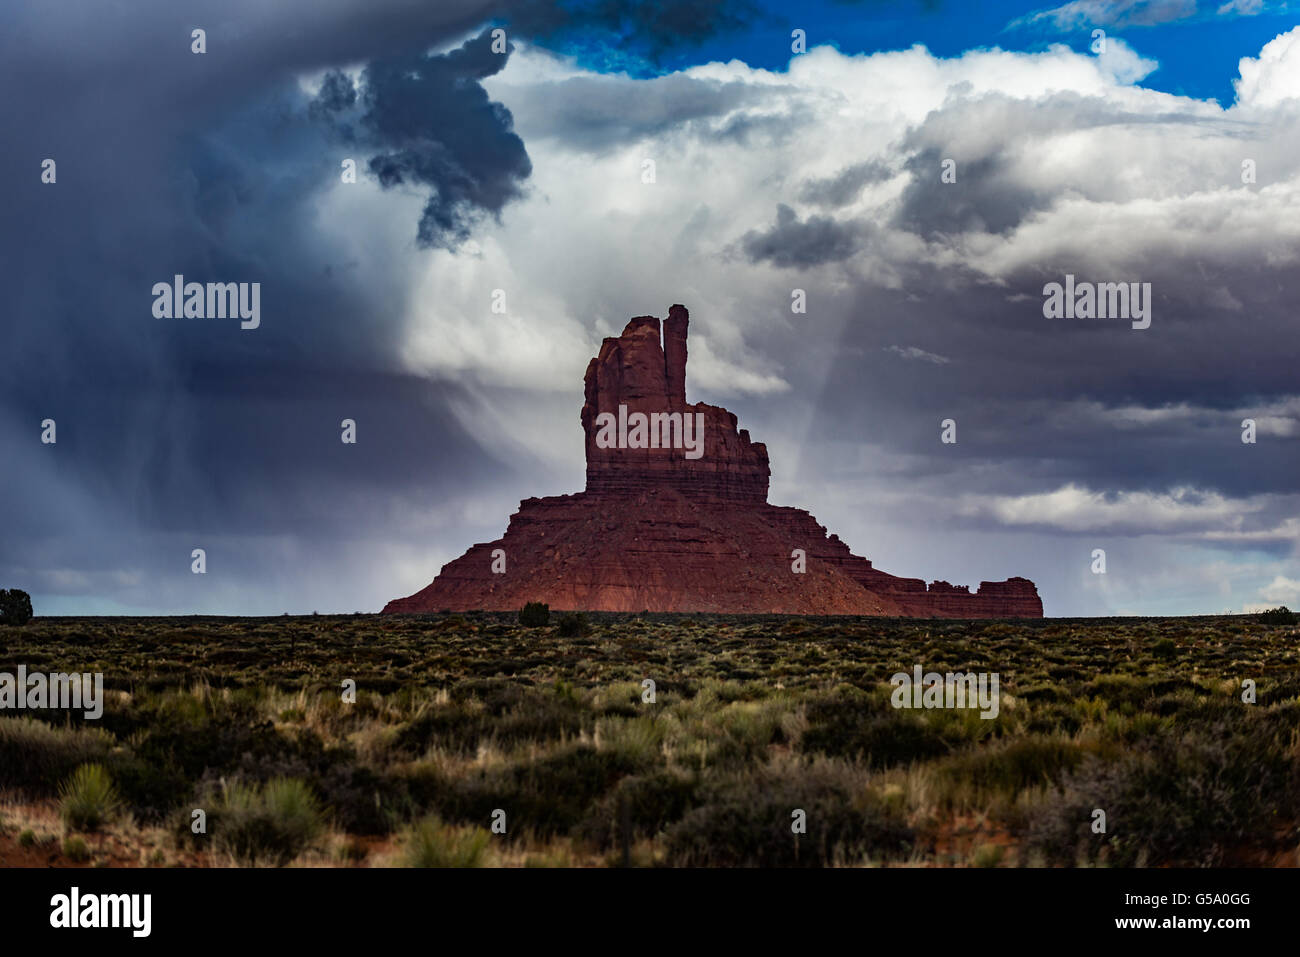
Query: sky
(1165, 150)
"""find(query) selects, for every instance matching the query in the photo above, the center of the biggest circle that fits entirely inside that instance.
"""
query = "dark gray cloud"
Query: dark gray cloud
(174, 434)
(797, 243)
(1042, 403)
(984, 198)
(337, 94)
(845, 186)
(443, 132)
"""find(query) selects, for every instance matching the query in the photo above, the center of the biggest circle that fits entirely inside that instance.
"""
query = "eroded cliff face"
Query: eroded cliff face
(638, 374)
(675, 518)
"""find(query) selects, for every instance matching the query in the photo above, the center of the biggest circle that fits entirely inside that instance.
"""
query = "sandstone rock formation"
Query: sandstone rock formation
(665, 525)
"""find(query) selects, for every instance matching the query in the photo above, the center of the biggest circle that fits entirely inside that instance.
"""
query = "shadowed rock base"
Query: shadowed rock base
(660, 530)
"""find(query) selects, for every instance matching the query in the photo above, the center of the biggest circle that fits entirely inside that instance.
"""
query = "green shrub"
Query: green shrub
(27, 838)
(88, 799)
(430, 843)
(272, 824)
(854, 724)
(1164, 648)
(748, 823)
(508, 715)
(1119, 691)
(15, 606)
(151, 788)
(177, 736)
(1193, 800)
(36, 758)
(350, 852)
(573, 626)
(535, 614)
(75, 849)
(997, 772)
(552, 793)
(987, 855)
(1278, 616)
(639, 806)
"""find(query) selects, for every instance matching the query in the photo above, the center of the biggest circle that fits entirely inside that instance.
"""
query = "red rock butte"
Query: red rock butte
(679, 528)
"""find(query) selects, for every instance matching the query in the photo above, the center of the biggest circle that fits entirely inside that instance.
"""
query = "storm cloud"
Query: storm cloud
(809, 242)
(227, 166)
(442, 131)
